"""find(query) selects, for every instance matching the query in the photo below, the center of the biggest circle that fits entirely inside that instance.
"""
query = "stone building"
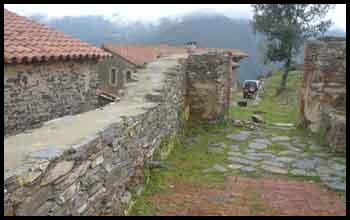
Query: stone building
(323, 99)
(115, 72)
(47, 74)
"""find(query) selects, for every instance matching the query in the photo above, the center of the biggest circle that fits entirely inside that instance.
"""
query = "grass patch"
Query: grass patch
(187, 162)
(276, 147)
(276, 107)
(315, 179)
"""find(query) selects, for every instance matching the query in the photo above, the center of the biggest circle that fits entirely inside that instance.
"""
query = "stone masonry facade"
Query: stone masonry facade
(209, 85)
(323, 100)
(38, 92)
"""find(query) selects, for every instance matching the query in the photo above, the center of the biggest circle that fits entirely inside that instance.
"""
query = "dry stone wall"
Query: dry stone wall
(323, 100)
(102, 174)
(209, 78)
(35, 93)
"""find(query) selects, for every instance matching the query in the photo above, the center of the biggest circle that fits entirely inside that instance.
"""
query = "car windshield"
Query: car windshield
(250, 84)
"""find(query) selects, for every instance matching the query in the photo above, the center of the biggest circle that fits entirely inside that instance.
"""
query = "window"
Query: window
(113, 76)
(128, 75)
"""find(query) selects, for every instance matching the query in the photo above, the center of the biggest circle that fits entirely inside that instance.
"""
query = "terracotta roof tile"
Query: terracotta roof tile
(29, 40)
(140, 55)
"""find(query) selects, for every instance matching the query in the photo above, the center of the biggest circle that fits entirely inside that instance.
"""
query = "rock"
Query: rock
(311, 173)
(47, 153)
(248, 169)
(251, 157)
(79, 202)
(336, 136)
(215, 168)
(43, 165)
(234, 147)
(337, 166)
(250, 151)
(235, 166)
(258, 118)
(219, 168)
(69, 193)
(323, 170)
(262, 155)
(234, 153)
(154, 164)
(288, 125)
(45, 209)
(298, 172)
(273, 163)
(95, 188)
(191, 141)
(242, 161)
(306, 163)
(294, 149)
(288, 153)
(280, 138)
(300, 145)
(98, 194)
(61, 169)
(215, 150)
(97, 161)
(273, 169)
(126, 198)
(336, 185)
(82, 208)
(285, 159)
(35, 201)
(242, 136)
(64, 182)
(217, 145)
(257, 145)
(29, 177)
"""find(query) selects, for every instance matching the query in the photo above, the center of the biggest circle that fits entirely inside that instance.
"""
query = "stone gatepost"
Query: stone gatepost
(323, 98)
(209, 78)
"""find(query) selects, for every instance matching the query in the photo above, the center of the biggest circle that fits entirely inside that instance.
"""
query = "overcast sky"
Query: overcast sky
(150, 12)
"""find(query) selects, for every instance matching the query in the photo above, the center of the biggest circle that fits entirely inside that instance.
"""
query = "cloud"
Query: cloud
(150, 12)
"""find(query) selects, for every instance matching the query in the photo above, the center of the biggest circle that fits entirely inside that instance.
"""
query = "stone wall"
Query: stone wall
(209, 83)
(324, 92)
(101, 174)
(96, 163)
(35, 93)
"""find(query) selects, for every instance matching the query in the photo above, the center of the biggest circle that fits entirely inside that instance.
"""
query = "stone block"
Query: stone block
(60, 169)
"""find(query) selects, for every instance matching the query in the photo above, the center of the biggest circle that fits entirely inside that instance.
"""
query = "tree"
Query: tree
(286, 27)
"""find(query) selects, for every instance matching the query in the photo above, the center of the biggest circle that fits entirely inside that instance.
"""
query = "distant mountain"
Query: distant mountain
(208, 30)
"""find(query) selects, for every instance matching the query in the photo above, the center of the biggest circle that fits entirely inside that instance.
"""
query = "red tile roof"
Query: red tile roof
(140, 55)
(27, 41)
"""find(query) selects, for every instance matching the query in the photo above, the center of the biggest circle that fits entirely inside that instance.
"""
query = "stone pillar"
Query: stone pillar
(324, 88)
(209, 78)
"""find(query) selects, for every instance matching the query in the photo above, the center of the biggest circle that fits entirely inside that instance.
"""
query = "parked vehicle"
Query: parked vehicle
(250, 88)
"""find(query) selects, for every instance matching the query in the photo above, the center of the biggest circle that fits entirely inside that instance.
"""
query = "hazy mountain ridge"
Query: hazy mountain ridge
(208, 30)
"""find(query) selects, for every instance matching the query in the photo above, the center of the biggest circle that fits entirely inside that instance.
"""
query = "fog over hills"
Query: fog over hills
(208, 30)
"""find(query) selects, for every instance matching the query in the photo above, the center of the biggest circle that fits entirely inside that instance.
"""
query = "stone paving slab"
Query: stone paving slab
(241, 136)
